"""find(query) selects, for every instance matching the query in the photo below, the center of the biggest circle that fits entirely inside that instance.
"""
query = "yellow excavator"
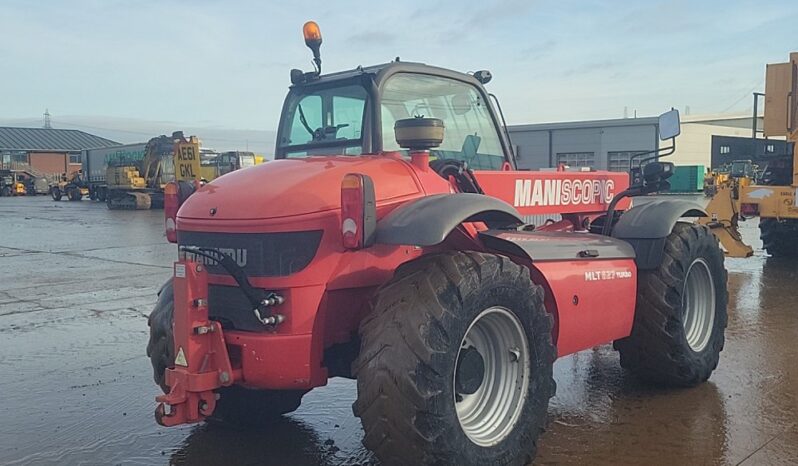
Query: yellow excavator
(773, 198)
(137, 184)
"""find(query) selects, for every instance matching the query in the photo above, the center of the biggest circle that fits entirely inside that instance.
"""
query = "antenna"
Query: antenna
(47, 124)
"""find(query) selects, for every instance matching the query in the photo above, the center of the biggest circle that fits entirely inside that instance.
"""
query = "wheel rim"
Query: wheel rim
(698, 305)
(489, 413)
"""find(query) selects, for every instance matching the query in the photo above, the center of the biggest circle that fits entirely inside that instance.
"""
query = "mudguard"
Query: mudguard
(646, 226)
(429, 220)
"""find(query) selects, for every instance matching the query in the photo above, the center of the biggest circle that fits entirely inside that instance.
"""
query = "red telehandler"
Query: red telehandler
(386, 244)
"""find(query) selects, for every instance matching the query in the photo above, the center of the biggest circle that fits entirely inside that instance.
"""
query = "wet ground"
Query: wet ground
(77, 282)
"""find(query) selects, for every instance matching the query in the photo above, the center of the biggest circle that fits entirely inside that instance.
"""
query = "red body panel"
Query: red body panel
(595, 301)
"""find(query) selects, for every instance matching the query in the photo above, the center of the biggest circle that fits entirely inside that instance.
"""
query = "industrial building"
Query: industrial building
(46, 151)
(726, 149)
(609, 144)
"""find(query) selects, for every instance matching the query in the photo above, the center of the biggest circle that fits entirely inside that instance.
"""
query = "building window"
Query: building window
(618, 161)
(770, 148)
(74, 158)
(577, 159)
(725, 149)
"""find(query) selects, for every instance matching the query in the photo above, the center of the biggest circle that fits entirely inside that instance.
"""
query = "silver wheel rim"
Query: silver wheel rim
(489, 414)
(698, 305)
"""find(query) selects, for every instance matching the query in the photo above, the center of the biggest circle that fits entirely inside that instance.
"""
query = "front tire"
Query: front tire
(56, 194)
(681, 315)
(455, 364)
(236, 405)
(74, 194)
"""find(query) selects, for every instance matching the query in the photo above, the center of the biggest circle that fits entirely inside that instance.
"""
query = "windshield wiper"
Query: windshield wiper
(304, 120)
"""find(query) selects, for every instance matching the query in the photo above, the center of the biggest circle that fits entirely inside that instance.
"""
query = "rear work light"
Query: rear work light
(358, 211)
(174, 194)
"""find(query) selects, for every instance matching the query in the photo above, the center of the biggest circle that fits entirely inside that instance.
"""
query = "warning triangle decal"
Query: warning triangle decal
(180, 360)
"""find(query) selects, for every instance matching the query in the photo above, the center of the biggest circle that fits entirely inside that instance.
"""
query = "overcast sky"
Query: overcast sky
(126, 68)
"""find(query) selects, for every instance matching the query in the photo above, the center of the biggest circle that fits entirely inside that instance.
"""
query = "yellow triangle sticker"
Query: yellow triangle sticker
(180, 359)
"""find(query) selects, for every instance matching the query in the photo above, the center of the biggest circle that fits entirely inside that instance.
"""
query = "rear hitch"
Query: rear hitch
(202, 363)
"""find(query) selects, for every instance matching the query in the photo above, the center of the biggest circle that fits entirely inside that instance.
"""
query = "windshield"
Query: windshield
(324, 121)
(469, 132)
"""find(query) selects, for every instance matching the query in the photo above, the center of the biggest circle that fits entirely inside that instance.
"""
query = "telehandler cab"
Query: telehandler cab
(386, 244)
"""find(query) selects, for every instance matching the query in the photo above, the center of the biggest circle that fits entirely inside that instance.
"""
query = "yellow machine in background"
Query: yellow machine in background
(138, 183)
(73, 187)
(226, 162)
(774, 198)
(11, 184)
(739, 173)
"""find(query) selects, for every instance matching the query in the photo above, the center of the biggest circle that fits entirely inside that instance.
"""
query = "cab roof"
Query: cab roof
(379, 73)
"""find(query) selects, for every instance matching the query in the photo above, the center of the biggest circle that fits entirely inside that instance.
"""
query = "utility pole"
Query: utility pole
(754, 125)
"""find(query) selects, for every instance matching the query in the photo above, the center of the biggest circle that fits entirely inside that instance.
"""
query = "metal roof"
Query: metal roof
(644, 121)
(48, 139)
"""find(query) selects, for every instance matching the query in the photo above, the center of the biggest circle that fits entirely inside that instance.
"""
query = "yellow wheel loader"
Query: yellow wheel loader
(773, 197)
(74, 187)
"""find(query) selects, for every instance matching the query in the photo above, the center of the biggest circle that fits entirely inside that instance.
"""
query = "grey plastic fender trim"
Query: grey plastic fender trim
(429, 220)
(654, 219)
(646, 226)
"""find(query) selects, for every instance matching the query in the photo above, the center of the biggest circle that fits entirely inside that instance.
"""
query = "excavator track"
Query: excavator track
(129, 201)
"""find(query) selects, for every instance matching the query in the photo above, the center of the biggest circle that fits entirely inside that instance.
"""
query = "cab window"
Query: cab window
(469, 132)
(324, 122)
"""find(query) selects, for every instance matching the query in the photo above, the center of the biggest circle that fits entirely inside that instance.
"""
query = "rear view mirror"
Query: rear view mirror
(669, 125)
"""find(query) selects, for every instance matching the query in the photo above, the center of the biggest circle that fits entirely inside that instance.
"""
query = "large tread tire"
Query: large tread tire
(779, 238)
(74, 194)
(236, 405)
(409, 346)
(56, 194)
(657, 351)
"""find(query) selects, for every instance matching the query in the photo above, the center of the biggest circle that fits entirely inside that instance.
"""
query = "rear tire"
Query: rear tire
(680, 319)
(56, 194)
(74, 194)
(424, 394)
(779, 238)
(236, 405)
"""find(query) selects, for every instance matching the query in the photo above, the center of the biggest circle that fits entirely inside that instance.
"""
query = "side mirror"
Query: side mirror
(669, 125)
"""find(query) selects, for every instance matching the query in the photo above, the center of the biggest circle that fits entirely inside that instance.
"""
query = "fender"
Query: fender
(429, 220)
(646, 226)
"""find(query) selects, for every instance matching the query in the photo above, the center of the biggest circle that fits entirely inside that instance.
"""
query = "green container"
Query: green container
(687, 179)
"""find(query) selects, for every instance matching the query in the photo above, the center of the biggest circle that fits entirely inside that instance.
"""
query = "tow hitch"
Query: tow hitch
(202, 363)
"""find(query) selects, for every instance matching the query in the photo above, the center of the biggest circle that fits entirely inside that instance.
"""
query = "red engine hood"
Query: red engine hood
(296, 186)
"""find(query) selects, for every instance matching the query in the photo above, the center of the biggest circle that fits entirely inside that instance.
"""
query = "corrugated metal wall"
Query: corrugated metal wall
(540, 148)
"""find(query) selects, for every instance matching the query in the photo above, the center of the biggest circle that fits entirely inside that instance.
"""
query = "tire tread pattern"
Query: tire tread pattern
(405, 338)
(657, 350)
